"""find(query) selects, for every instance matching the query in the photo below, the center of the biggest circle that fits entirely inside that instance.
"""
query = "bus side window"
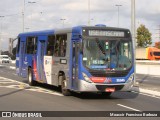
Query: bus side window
(50, 45)
(61, 45)
(31, 45)
(18, 45)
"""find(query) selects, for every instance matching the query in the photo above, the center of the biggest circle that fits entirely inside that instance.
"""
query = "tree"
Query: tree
(157, 45)
(143, 36)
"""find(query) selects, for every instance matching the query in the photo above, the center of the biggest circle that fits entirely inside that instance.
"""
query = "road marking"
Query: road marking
(129, 107)
(20, 85)
(152, 92)
(147, 95)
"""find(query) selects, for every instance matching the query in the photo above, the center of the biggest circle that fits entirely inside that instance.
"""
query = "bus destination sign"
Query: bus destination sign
(106, 33)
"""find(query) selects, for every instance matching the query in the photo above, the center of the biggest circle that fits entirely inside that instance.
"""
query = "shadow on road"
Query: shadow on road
(144, 78)
(10, 93)
(90, 96)
(115, 95)
(46, 86)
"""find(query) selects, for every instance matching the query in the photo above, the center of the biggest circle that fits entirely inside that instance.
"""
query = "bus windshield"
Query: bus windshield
(156, 53)
(108, 55)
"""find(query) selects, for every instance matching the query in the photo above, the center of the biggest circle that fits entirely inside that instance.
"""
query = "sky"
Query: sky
(47, 14)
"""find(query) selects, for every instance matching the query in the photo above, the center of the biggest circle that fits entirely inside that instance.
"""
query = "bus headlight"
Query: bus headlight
(130, 79)
(86, 78)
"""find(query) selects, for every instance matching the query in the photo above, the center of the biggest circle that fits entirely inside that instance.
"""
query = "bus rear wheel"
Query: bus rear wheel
(30, 78)
(64, 89)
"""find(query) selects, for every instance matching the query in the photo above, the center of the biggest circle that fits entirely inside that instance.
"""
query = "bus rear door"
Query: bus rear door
(40, 57)
(22, 58)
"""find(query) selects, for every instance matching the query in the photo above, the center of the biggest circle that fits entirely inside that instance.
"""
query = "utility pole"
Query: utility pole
(133, 22)
(118, 12)
(31, 11)
(133, 31)
(23, 16)
(88, 12)
(1, 33)
(158, 33)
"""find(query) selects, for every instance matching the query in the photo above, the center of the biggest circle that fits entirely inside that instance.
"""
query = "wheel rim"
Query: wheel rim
(64, 84)
(30, 77)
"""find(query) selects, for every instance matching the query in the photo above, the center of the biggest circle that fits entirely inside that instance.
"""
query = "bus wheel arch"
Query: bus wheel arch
(31, 82)
(63, 82)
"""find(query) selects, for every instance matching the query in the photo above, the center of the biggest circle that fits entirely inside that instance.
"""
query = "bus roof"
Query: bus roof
(43, 32)
(73, 29)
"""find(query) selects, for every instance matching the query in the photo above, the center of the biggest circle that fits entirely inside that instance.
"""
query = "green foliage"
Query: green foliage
(157, 45)
(143, 37)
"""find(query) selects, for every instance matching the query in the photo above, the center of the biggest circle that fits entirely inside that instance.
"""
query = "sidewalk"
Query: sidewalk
(148, 69)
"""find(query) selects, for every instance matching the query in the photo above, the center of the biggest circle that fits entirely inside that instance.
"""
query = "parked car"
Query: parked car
(5, 59)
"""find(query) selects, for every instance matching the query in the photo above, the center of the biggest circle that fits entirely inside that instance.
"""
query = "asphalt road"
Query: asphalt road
(148, 81)
(16, 95)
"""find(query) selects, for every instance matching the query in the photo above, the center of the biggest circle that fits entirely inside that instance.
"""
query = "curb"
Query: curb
(153, 93)
(12, 67)
(144, 62)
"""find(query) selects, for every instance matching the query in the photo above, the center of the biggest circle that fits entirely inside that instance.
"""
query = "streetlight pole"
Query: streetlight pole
(1, 33)
(88, 12)
(23, 12)
(31, 11)
(63, 21)
(118, 12)
(133, 21)
(133, 31)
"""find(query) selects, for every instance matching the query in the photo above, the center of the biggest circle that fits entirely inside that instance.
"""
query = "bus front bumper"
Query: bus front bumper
(96, 87)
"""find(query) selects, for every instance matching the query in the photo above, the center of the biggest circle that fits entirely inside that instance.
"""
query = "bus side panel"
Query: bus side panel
(48, 69)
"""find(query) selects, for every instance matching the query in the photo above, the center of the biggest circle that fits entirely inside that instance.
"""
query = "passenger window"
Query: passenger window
(18, 44)
(60, 45)
(31, 45)
(50, 45)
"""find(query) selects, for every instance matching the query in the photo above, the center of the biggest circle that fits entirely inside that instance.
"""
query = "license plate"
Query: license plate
(110, 90)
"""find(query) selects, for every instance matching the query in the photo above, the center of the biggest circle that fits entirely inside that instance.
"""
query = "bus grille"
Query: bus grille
(103, 87)
(108, 74)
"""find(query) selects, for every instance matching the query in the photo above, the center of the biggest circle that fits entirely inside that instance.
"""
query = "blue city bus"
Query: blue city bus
(79, 59)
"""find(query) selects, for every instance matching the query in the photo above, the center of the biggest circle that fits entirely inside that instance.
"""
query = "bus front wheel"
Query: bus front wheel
(30, 77)
(64, 89)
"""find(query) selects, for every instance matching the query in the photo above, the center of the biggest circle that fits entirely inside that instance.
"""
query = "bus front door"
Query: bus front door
(75, 58)
(22, 60)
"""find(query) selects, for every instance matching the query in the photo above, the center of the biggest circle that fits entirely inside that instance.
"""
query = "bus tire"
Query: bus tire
(30, 78)
(107, 94)
(64, 90)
